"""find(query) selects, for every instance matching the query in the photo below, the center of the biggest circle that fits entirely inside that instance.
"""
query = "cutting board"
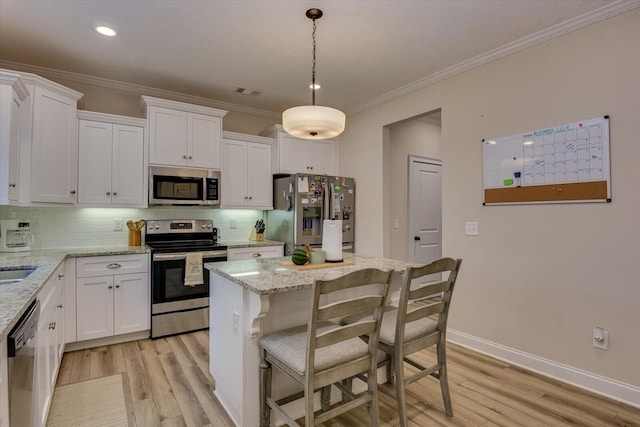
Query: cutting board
(290, 264)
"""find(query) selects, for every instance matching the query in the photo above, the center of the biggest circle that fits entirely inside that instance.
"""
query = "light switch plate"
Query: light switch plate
(471, 228)
(117, 224)
(233, 223)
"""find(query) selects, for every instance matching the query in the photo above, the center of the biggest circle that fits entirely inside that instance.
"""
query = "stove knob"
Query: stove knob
(157, 227)
(209, 226)
(203, 226)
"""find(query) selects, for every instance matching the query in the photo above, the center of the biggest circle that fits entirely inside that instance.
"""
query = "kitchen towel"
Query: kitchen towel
(193, 269)
(332, 239)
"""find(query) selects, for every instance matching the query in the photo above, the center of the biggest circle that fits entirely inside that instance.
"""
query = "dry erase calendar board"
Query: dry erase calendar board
(567, 163)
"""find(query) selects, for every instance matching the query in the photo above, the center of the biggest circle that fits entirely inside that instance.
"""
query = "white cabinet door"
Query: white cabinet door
(234, 173)
(259, 178)
(94, 314)
(322, 156)
(4, 385)
(131, 303)
(127, 178)
(14, 146)
(167, 136)
(94, 162)
(293, 154)
(203, 141)
(54, 150)
(41, 382)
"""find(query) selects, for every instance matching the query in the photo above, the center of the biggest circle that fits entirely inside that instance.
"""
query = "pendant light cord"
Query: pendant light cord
(313, 68)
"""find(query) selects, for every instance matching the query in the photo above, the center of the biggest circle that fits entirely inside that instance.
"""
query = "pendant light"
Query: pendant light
(313, 121)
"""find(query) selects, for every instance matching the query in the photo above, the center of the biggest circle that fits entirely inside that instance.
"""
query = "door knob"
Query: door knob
(416, 238)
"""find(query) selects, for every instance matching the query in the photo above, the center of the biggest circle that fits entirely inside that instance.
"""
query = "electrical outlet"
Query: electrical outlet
(471, 228)
(600, 338)
(233, 223)
(236, 322)
(117, 224)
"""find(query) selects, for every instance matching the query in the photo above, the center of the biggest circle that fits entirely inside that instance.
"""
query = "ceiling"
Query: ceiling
(367, 50)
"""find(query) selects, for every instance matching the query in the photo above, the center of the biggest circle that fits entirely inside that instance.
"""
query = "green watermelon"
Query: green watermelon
(300, 256)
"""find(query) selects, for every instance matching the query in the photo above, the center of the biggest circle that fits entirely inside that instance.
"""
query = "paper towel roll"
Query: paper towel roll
(332, 239)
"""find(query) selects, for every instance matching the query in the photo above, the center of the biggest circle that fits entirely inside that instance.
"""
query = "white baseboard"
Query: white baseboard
(608, 387)
(98, 342)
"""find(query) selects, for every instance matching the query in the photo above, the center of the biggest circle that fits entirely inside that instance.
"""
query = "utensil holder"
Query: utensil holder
(258, 237)
(135, 238)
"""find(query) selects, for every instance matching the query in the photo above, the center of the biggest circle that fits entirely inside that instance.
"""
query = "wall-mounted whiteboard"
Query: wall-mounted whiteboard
(566, 163)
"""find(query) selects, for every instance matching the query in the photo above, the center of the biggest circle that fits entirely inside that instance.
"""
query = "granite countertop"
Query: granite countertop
(16, 297)
(233, 244)
(267, 276)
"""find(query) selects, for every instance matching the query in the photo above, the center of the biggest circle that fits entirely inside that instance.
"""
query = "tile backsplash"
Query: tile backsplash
(57, 227)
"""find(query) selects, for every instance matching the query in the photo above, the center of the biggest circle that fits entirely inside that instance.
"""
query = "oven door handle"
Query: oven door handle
(183, 255)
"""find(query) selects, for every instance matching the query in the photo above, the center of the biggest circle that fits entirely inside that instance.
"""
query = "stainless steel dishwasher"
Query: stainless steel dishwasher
(22, 356)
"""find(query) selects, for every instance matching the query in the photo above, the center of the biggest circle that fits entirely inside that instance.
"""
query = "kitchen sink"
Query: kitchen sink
(15, 275)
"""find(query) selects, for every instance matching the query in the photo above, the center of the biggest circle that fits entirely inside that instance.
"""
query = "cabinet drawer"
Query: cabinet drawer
(110, 265)
(255, 252)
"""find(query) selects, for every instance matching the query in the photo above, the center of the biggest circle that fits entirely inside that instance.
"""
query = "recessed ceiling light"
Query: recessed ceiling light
(105, 31)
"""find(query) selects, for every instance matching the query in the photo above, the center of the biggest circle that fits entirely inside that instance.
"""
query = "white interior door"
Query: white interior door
(425, 210)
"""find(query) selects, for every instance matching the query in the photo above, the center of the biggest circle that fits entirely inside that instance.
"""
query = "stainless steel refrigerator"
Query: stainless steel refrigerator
(303, 201)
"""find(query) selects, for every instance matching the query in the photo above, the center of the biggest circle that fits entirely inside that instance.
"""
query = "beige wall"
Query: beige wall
(412, 137)
(538, 278)
(127, 103)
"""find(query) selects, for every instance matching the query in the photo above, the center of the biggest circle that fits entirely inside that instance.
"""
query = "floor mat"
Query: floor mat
(92, 403)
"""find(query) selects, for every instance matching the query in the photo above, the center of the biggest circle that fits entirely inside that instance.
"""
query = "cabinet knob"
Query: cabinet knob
(117, 286)
(257, 255)
(12, 185)
(60, 275)
(250, 197)
(190, 157)
(110, 286)
(245, 197)
(52, 325)
(184, 156)
(73, 191)
(59, 305)
(108, 193)
(115, 193)
(311, 167)
(113, 265)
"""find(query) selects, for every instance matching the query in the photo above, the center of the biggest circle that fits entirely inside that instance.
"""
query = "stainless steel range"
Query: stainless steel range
(175, 307)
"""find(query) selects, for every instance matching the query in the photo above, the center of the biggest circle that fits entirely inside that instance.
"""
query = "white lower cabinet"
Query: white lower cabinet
(112, 295)
(234, 254)
(50, 345)
(4, 385)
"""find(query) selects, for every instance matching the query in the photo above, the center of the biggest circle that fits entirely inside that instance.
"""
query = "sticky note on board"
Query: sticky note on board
(508, 182)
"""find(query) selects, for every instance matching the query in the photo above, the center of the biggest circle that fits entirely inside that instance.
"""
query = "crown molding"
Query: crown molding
(615, 8)
(136, 89)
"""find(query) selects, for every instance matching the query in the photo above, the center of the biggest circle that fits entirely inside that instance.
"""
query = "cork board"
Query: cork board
(558, 164)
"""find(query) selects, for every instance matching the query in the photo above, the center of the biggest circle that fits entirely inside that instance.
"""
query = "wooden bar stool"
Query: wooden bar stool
(323, 352)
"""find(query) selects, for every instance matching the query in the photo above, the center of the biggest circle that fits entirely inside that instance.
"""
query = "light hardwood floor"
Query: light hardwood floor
(170, 385)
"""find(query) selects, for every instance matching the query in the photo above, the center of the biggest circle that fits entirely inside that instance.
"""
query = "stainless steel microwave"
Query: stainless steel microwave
(183, 186)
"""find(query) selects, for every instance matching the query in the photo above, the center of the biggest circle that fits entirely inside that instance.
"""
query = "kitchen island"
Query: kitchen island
(251, 298)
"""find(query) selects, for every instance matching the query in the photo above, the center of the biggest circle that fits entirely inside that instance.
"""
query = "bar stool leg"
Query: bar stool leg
(265, 393)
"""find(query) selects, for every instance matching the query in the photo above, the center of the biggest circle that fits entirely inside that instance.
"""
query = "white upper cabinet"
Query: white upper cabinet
(111, 167)
(53, 133)
(296, 155)
(183, 134)
(246, 172)
(13, 93)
